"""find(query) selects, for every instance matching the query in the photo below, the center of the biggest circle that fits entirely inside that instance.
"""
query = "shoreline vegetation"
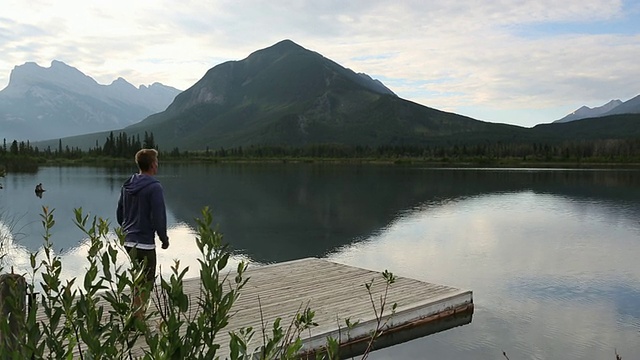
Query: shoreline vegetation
(119, 150)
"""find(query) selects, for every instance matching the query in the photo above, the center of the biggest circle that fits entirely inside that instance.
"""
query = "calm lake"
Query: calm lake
(552, 255)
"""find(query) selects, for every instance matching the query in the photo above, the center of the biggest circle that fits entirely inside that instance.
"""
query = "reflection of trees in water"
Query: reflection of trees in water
(278, 212)
(282, 212)
(21, 165)
(287, 212)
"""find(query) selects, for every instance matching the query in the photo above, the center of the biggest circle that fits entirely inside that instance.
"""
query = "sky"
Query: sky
(521, 62)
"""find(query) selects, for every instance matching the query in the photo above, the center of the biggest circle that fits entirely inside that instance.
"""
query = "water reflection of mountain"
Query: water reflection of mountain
(289, 211)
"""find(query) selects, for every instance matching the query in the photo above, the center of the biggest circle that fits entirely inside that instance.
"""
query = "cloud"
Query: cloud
(464, 54)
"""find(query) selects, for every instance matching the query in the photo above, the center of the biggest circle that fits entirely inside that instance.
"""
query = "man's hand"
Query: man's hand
(165, 244)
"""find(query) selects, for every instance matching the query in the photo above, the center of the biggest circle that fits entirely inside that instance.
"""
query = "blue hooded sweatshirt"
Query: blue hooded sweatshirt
(141, 212)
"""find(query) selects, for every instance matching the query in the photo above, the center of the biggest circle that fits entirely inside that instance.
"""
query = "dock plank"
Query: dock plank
(336, 292)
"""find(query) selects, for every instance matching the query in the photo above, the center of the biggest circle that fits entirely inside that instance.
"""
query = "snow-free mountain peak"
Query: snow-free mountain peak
(586, 112)
(631, 106)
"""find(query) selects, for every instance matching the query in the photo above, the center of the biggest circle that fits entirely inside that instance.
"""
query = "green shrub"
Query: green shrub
(94, 317)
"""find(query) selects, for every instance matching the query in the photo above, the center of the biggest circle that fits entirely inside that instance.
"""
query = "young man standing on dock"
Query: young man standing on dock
(142, 214)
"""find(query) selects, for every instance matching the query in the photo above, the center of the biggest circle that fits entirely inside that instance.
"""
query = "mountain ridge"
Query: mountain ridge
(613, 107)
(59, 101)
(587, 112)
(286, 94)
(631, 106)
(290, 96)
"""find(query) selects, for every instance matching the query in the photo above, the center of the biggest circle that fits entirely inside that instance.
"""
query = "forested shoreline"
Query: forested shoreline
(23, 156)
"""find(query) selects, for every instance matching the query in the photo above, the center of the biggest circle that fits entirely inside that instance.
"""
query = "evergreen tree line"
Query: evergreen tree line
(124, 146)
(120, 146)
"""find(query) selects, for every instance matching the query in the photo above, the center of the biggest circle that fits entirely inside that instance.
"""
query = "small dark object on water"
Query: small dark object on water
(39, 190)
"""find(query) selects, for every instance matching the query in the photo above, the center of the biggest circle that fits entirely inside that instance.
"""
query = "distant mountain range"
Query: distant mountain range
(290, 96)
(613, 107)
(59, 101)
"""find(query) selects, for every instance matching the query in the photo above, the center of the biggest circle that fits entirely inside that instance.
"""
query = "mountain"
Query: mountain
(59, 101)
(288, 95)
(587, 112)
(631, 106)
(613, 107)
(621, 126)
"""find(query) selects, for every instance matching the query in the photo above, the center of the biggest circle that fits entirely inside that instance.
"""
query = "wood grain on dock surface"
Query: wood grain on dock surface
(336, 292)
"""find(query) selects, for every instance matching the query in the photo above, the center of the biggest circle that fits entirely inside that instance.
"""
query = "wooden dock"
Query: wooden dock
(336, 292)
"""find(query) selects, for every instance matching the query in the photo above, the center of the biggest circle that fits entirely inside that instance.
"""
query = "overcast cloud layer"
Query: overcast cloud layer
(521, 62)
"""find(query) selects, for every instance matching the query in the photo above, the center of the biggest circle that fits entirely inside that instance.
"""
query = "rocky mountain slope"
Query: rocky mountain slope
(59, 101)
(613, 107)
(288, 95)
(631, 106)
(587, 112)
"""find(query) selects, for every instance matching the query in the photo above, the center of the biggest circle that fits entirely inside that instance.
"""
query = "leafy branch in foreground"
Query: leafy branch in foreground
(379, 309)
(95, 317)
(189, 330)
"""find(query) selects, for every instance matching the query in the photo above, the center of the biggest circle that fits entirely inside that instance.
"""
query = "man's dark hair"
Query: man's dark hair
(145, 158)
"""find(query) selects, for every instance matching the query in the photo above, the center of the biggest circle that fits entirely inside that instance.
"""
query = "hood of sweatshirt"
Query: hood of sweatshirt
(137, 182)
